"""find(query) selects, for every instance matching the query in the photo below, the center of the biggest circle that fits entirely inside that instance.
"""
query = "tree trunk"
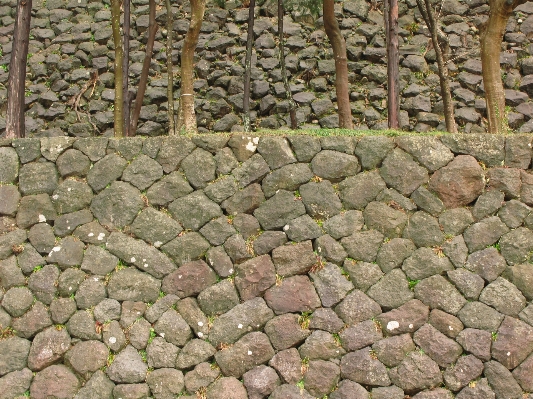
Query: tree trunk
(393, 63)
(186, 115)
(170, 73)
(491, 39)
(15, 126)
(341, 64)
(439, 40)
(143, 80)
(248, 68)
(119, 55)
(125, 68)
(292, 104)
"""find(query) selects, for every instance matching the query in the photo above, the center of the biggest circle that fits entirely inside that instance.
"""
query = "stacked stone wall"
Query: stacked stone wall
(251, 267)
(72, 38)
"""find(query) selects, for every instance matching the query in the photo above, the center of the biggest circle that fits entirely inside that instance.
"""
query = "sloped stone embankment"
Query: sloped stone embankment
(280, 267)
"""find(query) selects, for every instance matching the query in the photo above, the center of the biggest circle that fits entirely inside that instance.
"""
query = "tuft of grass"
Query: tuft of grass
(305, 319)
(412, 284)
(6, 333)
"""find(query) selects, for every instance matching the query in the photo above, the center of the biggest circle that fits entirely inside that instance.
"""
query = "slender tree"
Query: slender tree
(170, 73)
(143, 80)
(341, 64)
(491, 39)
(119, 55)
(292, 104)
(15, 126)
(248, 67)
(442, 48)
(126, 99)
(186, 112)
(393, 63)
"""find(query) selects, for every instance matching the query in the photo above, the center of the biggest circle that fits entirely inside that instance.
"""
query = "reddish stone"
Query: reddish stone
(459, 183)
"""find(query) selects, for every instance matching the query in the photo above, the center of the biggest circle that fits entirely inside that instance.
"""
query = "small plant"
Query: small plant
(6, 333)
(120, 265)
(110, 359)
(279, 280)
(37, 268)
(4, 67)
(438, 251)
(304, 320)
(412, 28)
(412, 284)
(373, 354)
(161, 294)
(201, 393)
(337, 339)
(319, 265)
(305, 365)
(297, 195)
(143, 355)
(300, 384)
(152, 335)
(497, 246)
(17, 249)
(494, 336)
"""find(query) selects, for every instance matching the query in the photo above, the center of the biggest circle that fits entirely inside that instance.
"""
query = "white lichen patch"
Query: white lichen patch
(42, 218)
(392, 325)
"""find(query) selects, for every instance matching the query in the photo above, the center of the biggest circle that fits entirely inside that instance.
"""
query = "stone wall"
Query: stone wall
(248, 267)
(70, 38)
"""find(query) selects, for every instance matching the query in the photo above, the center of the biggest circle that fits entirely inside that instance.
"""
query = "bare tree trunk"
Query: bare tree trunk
(393, 63)
(491, 39)
(292, 104)
(143, 80)
(119, 55)
(125, 68)
(170, 73)
(248, 67)
(341, 64)
(186, 114)
(15, 125)
(439, 40)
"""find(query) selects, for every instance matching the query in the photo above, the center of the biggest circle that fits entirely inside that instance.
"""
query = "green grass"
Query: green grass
(327, 132)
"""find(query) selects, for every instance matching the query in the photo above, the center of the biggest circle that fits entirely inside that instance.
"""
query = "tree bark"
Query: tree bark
(119, 56)
(491, 40)
(288, 93)
(341, 64)
(393, 64)
(439, 40)
(248, 68)
(143, 80)
(170, 73)
(15, 124)
(125, 68)
(186, 115)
